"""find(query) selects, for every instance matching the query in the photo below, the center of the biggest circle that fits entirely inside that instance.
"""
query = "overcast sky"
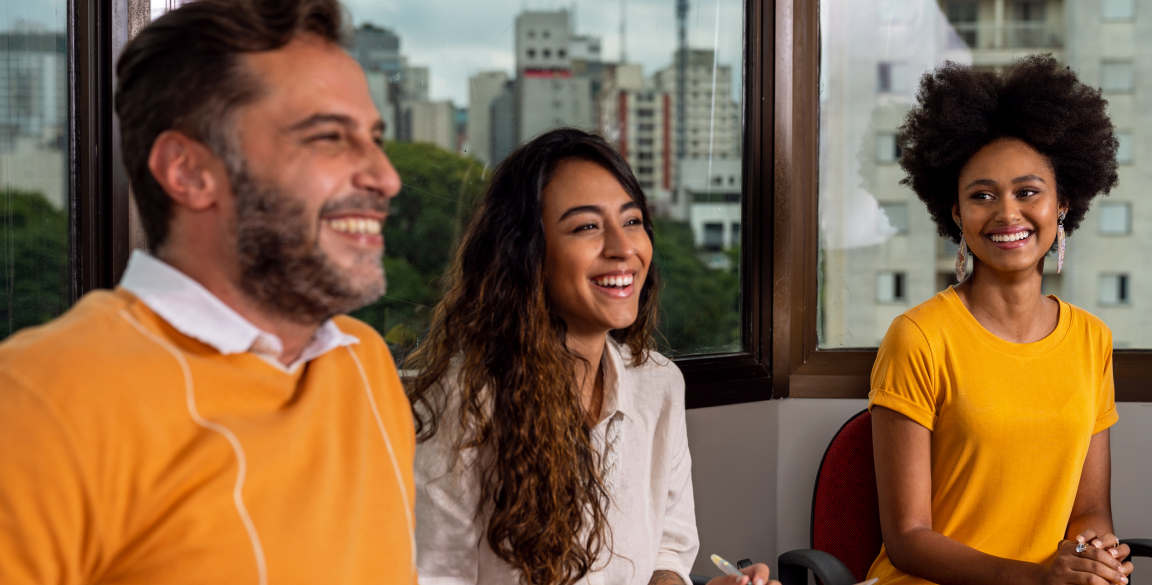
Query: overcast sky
(457, 38)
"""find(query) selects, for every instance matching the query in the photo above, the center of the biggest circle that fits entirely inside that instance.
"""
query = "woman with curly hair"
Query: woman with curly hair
(991, 402)
(552, 440)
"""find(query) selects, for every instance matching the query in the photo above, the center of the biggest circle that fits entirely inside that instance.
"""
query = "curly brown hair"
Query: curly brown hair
(961, 109)
(520, 405)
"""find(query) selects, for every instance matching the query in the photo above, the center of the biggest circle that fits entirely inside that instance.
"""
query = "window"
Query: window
(1117, 76)
(713, 237)
(892, 77)
(895, 218)
(1119, 10)
(1115, 218)
(1124, 151)
(735, 234)
(887, 151)
(890, 287)
(1113, 289)
(35, 198)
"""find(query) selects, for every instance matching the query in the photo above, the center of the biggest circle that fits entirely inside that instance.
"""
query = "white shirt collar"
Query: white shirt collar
(188, 307)
(616, 399)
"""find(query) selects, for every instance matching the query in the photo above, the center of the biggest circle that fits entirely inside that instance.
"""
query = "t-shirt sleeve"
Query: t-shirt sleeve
(1106, 414)
(902, 377)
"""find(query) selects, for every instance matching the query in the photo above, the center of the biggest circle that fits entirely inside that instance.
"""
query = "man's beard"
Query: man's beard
(285, 271)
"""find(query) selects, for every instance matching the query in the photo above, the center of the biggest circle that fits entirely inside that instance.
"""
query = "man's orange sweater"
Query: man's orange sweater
(131, 453)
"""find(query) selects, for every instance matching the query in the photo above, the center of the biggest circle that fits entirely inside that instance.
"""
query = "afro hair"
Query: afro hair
(961, 109)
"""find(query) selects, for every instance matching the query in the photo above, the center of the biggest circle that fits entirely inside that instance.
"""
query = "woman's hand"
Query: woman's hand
(1110, 543)
(755, 575)
(1094, 566)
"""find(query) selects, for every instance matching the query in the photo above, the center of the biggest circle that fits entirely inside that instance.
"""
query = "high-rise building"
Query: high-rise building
(880, 252)
(548, 95)
(378, 52)
(433, 122)
(483, 88)
(712, 117)
(33, 112)
(637, 120)
(502, 124)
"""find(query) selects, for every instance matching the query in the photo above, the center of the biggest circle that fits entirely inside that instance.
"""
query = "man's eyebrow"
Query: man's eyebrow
(317, 119)
(582, 209)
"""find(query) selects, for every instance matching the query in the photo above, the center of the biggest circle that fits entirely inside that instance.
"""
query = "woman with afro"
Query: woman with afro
(991, 402)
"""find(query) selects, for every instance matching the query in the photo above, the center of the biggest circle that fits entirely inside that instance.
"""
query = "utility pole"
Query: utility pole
(681, 84)
(623, 36)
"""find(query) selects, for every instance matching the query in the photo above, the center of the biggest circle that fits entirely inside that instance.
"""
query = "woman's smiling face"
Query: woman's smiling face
(597, 252)
(1008, 205)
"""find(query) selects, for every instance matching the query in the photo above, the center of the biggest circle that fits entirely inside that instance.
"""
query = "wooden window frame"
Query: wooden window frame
(799, 369)
(779, 237)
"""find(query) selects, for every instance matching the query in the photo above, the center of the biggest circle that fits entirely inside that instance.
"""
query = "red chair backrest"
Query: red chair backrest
(845, 507)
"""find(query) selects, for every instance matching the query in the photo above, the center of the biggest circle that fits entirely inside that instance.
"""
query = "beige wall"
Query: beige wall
(753, 466)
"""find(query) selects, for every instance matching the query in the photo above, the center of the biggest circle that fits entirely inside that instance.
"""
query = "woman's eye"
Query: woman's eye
(634, 221)
(982, 195)
(587, 226)
(1028, 192)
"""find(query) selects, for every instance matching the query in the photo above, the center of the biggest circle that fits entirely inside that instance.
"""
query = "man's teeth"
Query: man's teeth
(355, 225)
(1002, 238)
(614, 281)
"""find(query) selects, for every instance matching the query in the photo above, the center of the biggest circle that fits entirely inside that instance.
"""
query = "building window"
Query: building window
(1114, 289)
(896, 215)
(962, 15)
(1117, 76)
(890, 287)
(1119, 10)
(1115, 218)
(546, 53)
(644, 170)
(713, 237)
(1029, 10)
(735, 234)
(645, 113)
(561, 53)
(647, 185)
(887, 149)
(892, 77)
(1124, 151)
(531, 53)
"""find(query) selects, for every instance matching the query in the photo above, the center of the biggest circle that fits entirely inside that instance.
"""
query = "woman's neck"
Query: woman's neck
(1010, 305)
(589, 377)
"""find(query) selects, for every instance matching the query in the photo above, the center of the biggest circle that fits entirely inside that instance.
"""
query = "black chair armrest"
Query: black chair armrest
(700, 579)
(794, 566)
(1141, 547)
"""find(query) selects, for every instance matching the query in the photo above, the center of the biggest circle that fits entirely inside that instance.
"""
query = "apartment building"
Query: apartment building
(33, 109)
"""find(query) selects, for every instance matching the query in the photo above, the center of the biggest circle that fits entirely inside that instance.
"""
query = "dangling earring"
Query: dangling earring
(962, 255)
(1060, 245)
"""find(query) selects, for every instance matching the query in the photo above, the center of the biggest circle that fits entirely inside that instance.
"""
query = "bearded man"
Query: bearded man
(215, 419)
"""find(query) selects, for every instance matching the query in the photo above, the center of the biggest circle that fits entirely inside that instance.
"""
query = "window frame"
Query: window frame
(799, 368)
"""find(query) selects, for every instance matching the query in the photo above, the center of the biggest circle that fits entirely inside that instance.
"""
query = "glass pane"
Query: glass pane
(464, 83)
(864, 209)
(461, 84)
(33, 163)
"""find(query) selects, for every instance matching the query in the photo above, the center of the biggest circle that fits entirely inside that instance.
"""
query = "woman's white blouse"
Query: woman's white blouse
(642, 438)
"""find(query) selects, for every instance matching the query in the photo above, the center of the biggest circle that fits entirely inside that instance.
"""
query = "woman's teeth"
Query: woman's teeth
(613, 281)
(1003, 238)
(354, 225)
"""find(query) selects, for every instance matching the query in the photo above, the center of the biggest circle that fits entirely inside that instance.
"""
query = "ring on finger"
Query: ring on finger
(1081, 547)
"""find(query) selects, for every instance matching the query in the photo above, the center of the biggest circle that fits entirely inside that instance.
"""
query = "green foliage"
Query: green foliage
(700, 306)
(426, 221)
(33, 261)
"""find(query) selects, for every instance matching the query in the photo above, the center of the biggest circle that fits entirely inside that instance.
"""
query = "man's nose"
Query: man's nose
(378, 174)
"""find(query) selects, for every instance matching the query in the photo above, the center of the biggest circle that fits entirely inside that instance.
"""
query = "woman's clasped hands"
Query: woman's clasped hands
(1099, 562)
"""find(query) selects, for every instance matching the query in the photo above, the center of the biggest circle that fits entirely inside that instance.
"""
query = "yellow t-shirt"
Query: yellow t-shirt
(1010, 422)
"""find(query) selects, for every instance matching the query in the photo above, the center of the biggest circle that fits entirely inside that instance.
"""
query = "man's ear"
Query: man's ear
(187, 170)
